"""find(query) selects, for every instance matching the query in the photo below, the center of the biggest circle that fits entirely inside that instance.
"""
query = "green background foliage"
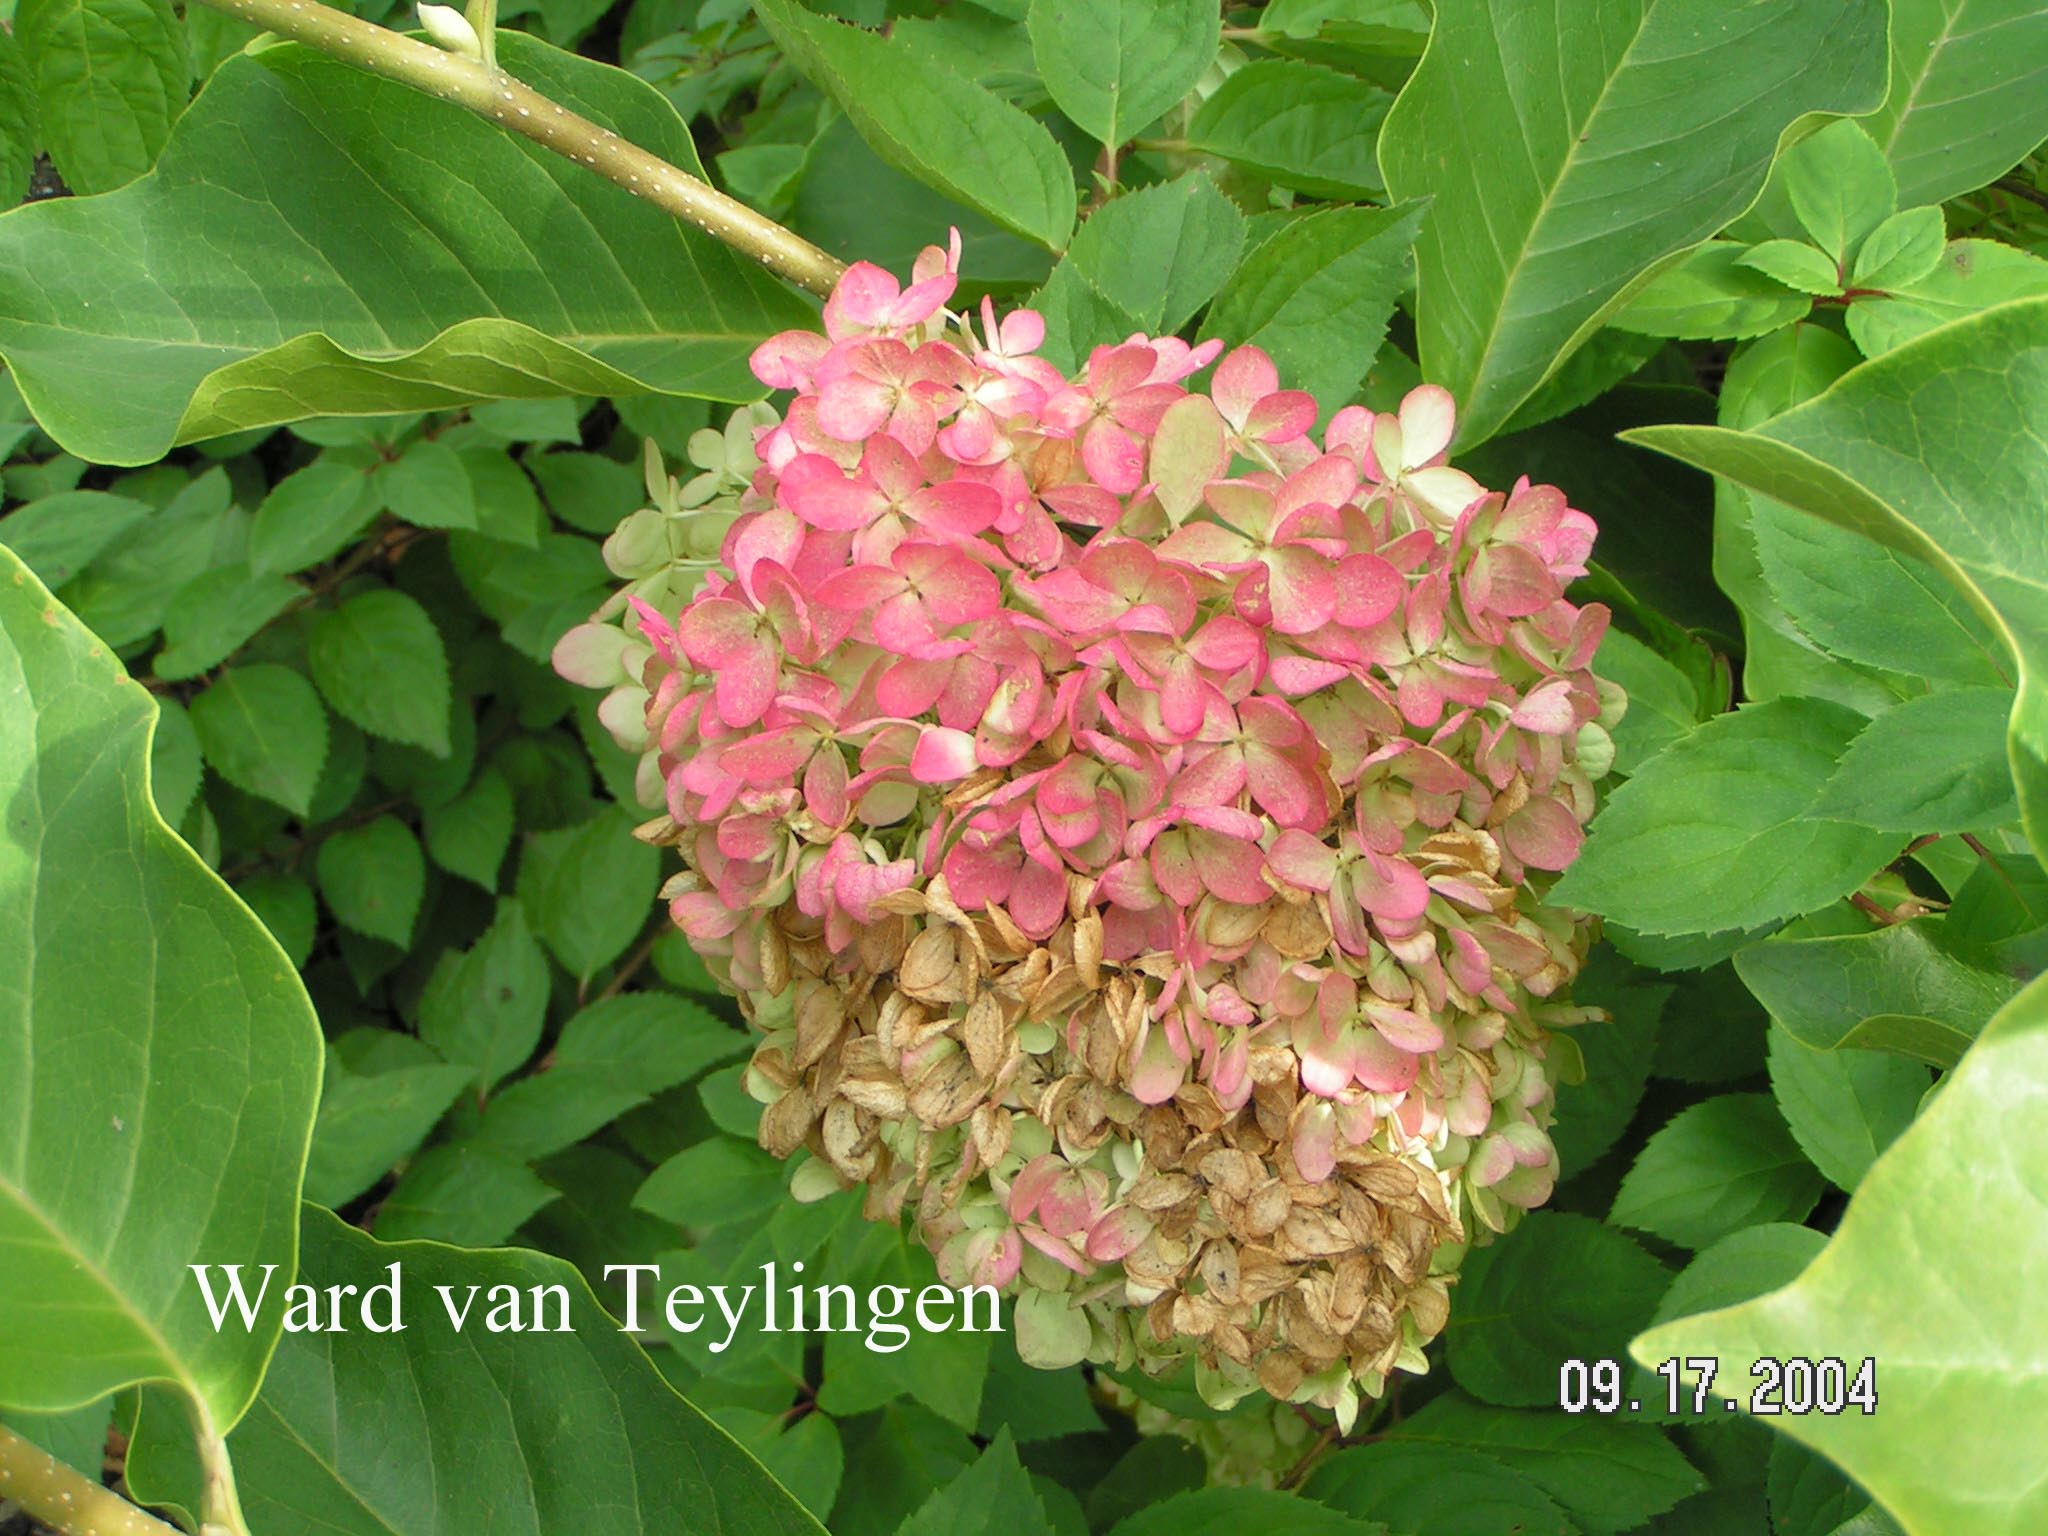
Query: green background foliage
(324, 938)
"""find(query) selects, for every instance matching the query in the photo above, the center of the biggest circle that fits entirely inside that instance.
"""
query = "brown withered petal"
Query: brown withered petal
(786, 1124)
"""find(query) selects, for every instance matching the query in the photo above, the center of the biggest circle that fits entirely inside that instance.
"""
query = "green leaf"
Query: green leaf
(20, 121)
(216, 614)
(221, 293)
(1569, 153)
(930, 123)
(372, 877)
(468, 835)
(262, 729)
(991, 1498)
(1153, 1470)
(893, 1459)
(719, 1180)
(861, 208)
(378, 660)
(1795, 264)
(1723, 1164)
(59, 536)
(1859, 599)
(1972, 276)
(1712, 1030)
(1445, 1490)
(1663, 704)
(311, 515)
(484, 1008)
(614, 1054)
(586, 490)
(1933, 1273)
(1963, 498)
(1969, 94)
(123, 596)
(1837, 186)
(1232, 1511)
(466, 1193)
(1739, 1267)
(286, 906)
(1607, 1476)
(369, 1122)
(1592, 1114)
(1844, 1106)
(158, 1079)
(1077, 317)
(1557, 1288)
(1719, 830)
(1300, 125)
(1902, 250)
(1317, 295)
(1160, 253)
(428, 487)
(457, 1415)
(111, 77)
(174, 763)
(1711, 294)
(1114, 65)
(1935, 763)
(589, 889)
(1830, 992)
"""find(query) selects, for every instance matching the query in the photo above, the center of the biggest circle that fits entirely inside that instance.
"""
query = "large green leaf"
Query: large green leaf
(385, 251)
(1969, 93)
(408, 1434)
(111, 77)
(1934, 448)
(933, 124)
(1571, 147)
(1939, 1273)
(159, 1061)
(1720, 830)
(1896, 988)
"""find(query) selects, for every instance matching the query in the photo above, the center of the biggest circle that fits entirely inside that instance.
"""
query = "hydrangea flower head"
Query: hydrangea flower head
(1125, 815)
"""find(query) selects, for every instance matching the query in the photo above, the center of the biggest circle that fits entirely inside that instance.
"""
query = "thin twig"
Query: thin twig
(494, 94)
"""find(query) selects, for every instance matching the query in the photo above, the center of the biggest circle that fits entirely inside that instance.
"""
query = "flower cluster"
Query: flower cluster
(1125, 813)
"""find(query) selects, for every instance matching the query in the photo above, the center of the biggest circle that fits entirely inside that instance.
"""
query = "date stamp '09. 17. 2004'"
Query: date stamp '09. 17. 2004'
(1793, 1386)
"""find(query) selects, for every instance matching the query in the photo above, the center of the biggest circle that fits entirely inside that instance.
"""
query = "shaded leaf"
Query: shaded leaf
(1559, 1287)
(378, 660)
(1844, 1106)
(484, 1008)
(262, 729)
(372, 878)
(1722, 1164)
